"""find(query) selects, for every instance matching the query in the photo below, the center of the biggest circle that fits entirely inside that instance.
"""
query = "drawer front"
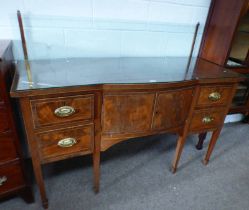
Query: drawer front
(11, 177)
(65, 142)
(1, 98)
(207, 119)
(7, 149)
(2, 93)
(63, 109)
(4, 121)
(218, 95)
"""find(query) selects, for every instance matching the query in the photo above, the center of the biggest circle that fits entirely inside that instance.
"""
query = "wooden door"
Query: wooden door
(127, 113)
(172, 108)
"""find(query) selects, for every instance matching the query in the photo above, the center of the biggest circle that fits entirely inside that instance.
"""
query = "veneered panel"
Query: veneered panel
(44, 110)
(127, 113)
(172, 108)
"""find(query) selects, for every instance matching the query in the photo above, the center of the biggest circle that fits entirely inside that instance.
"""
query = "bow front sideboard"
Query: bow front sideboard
(82, 106)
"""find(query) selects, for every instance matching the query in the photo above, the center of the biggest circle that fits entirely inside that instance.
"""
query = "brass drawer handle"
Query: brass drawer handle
(215, 96)
(207, 120)
(64, 111)
(3, 179)
(67, 142)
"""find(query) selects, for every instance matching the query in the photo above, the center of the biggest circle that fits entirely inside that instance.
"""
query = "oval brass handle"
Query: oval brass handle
(67, 142)
(3, 179)
(207, 120)
(64, 111)
(215, 96)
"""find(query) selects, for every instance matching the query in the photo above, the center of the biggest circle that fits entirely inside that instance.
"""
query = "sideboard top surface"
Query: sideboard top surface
(71, 72)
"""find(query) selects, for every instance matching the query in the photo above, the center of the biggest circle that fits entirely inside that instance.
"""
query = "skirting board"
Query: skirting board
(234, 118)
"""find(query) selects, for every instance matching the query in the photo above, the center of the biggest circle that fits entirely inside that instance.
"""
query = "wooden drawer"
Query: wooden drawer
(1, 97)
(65, 142)
(207, 119)
(62, 109)
(214, 95)
(2, 94)
(7, 149)
(11, 177)
(4, 121)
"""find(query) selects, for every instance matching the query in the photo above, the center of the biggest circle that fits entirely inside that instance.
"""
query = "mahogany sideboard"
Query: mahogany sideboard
(13, 179)
(84, 106)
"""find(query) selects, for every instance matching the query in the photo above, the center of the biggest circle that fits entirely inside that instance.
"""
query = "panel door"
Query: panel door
(172, 108)
(127, 113)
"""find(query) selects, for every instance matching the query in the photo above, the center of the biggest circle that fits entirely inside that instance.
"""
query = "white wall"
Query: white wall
(64, 28)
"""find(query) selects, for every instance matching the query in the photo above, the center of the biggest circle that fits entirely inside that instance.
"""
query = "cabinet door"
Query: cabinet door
(127, 113)
(172, 108)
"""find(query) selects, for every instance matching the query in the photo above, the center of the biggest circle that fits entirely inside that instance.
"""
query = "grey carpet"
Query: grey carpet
(136, 175)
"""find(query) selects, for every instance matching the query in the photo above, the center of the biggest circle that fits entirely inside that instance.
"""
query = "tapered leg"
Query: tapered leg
(202, 137)
(97, 141)
(34, 149)
(96, 170)
(211, 145)
(180, 143)
(40, 182)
